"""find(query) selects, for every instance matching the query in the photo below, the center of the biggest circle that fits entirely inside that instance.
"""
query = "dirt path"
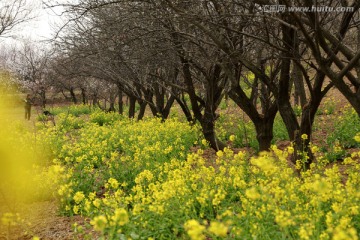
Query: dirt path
(41, 219)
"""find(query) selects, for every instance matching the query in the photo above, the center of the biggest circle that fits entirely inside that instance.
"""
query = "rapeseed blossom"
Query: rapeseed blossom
(304, 136)
(120, 216)
(99, 223)
(194, 229)
(357, 137)
(232, 138)
(113, 183)
(78, 197)
(218, 228)
(140, 181)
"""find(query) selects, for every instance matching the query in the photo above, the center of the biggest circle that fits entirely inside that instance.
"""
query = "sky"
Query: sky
(40, 28)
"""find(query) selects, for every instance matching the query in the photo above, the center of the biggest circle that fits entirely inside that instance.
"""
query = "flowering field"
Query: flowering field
(145, 180)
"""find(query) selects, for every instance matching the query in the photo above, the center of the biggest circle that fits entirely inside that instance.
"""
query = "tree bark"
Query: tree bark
(73, 96)
(166, 111)
(208, 129)
(142, 109)
(132, 103)
(263, 123)
(83, 96)
(185, 109)
(264, 132)
(120, 101)
(112, 99)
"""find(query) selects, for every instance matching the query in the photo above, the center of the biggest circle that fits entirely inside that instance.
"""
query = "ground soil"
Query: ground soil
(42, 219)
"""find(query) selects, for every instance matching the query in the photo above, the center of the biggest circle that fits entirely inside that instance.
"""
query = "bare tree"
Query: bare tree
(32, 66)
(12, 14)
(206, 49)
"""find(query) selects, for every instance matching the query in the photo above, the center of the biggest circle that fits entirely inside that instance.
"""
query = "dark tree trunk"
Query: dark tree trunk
(297, 76)
(83, 96)
(73, 96)
(112, 107)
(95, 101)
(120, 101)
(357, 68)
(208, 129)
(166, 111)
(283, 99)
(214, 89)
(302, 145)
(299, 93)
(132, 103)
(142, 109)
(263, 123)
(264, 132)
(112, 102)
(185, 109)
(43, 98)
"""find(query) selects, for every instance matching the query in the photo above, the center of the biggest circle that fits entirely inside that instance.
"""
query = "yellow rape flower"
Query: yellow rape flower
(357, 137)
(97, 202)
(92, 195)
(314, 149)
(76, 209)
(99, 223)
(113, 183)
(194, 229)
(304, 136)
(120, 217)
(252, 193)
(219, 153)
(232, 138)
(290, 150)
(218, 228)
(78, 197)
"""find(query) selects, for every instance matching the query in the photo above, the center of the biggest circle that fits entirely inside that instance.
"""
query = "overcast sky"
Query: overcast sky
(42, 27)
(38, 29)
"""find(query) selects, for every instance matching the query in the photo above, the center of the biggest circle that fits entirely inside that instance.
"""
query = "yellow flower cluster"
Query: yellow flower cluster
(262, 192)
(136, 180)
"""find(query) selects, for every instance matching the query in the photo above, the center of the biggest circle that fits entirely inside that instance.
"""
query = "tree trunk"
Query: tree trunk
(185, 109)
(263, 123)
(95, 100)
(83, 96)
(132, 103)
(208, 129)
(297, 75)
(112, 102)
(43, 98)
(73, 96)
(264, 132)
(299, 86)
(120, 101)
(283, 99)
(357, 68)
(166, 111)
(302, 139)
(142, 109)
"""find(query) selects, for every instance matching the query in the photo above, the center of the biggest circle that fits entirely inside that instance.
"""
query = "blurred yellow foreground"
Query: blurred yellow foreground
(17, 178)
